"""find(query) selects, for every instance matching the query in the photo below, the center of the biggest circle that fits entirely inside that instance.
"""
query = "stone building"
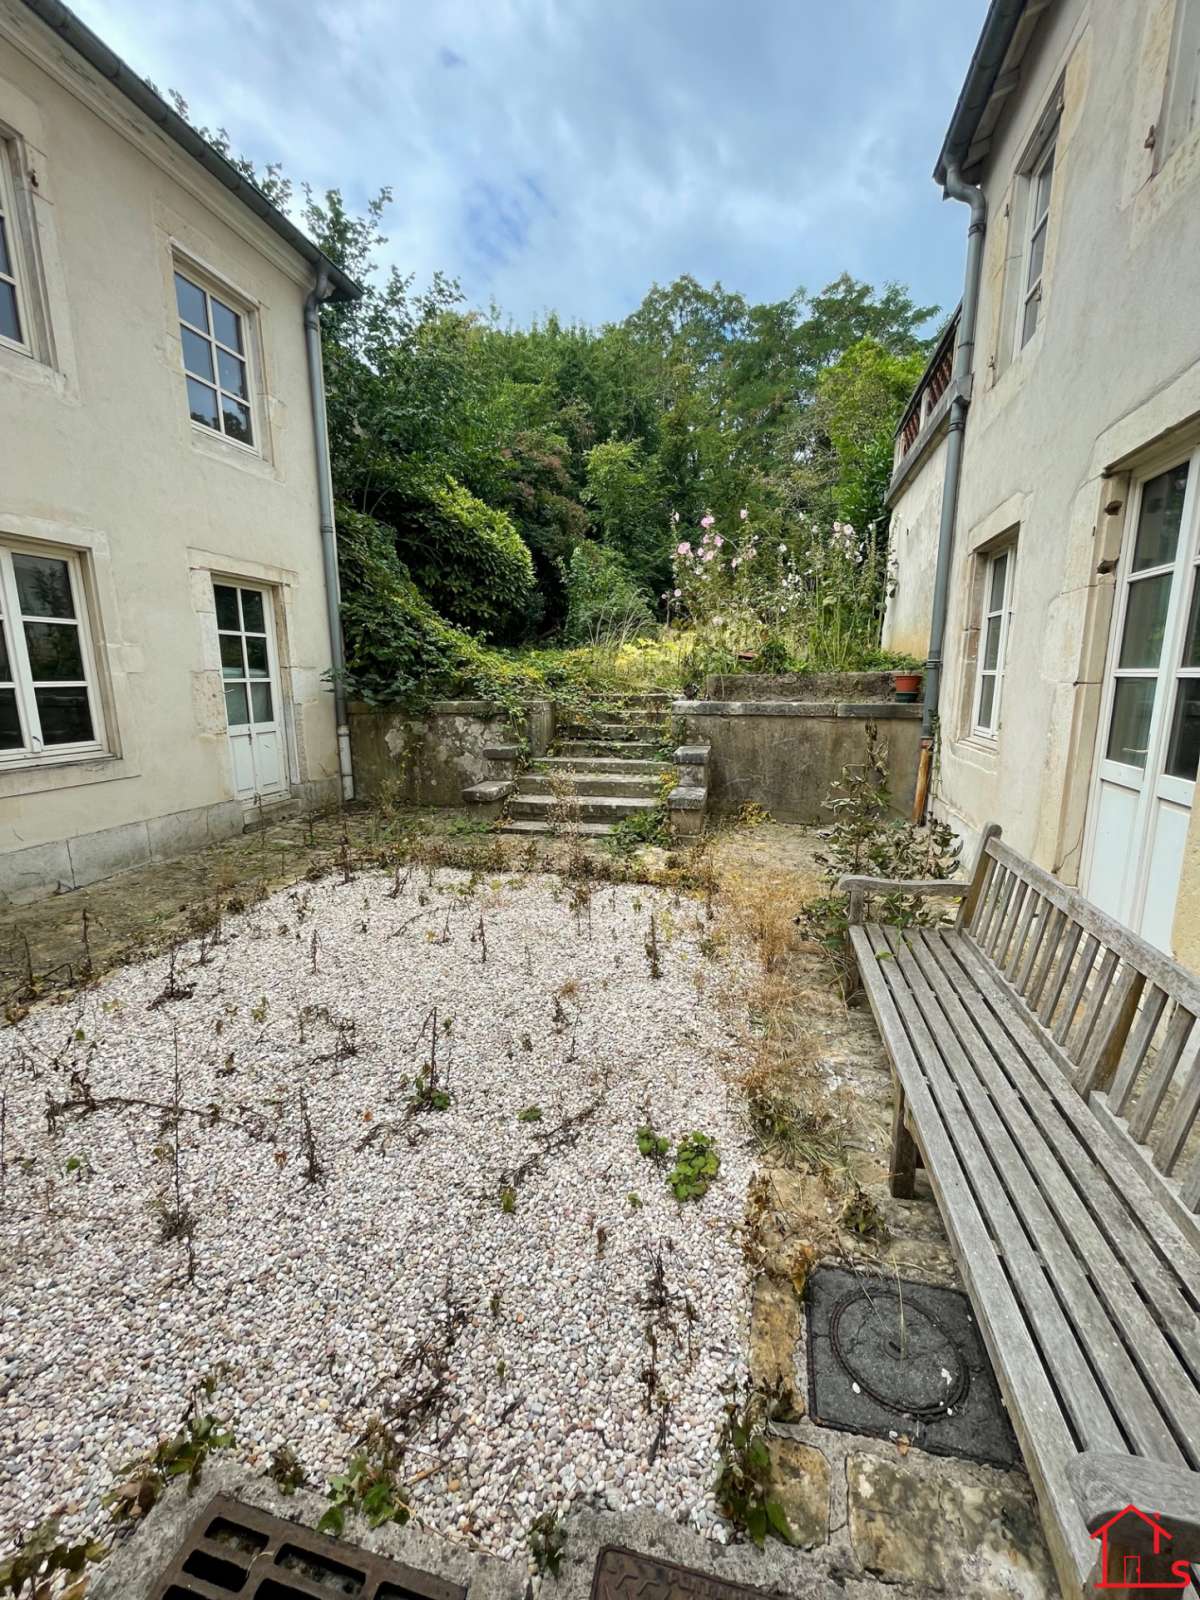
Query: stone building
(1052, 454)
(166, 625)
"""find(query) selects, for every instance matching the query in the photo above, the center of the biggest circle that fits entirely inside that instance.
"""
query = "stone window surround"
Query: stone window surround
(983, 548)
(213, 282)
(111, 661)
(209, 566)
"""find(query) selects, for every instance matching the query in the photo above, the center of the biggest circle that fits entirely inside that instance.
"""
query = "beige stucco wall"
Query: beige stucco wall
(100, 456)
(912, 553)
(1112, 372)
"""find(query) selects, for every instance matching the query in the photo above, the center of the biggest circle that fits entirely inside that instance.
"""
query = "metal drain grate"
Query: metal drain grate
(621, 1573)
(235, 1549)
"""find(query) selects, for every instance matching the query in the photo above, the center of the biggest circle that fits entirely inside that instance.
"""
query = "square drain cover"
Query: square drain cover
(891, 1358)
(236, 1549)
(621, 1574)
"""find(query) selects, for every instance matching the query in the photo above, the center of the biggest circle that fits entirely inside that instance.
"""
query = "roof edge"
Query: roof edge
(67, 26)
(999, 26)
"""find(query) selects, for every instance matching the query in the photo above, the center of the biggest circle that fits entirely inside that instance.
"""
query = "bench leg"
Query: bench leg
(904, 1152)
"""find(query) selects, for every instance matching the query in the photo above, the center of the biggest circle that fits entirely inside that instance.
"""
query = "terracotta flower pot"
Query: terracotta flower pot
(907, 685)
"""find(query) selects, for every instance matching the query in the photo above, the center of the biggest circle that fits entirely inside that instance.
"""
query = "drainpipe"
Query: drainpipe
(316, 384)
(954, 188)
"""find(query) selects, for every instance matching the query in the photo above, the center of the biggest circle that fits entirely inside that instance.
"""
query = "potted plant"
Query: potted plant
(907, 685)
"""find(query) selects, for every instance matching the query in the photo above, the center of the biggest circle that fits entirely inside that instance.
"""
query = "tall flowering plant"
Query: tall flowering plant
(816, 594)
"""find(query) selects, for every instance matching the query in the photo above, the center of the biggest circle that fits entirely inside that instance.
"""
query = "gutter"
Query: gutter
(964, 364)
(333, 597)
(1000, 26)
(63, 22)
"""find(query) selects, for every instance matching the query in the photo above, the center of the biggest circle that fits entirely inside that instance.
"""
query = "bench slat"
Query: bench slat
(1151, 962)
(1012, 956)
(1045, 1439)
(989, 929)
(1178, 1126)
(1073, 1241)
(1158, 1081)
(1007, 1197)
(1083, 971)
(1136, 1046)
(1114, 1018)
(1056, 922)
(1077, 1047)
(1012, 916)
(1054, 991)
(1113, 1177)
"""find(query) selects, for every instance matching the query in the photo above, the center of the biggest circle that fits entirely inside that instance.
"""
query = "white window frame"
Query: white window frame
(214, 289)
(14, 233)
(1181, 95)
(1036, 222)
(1003, 618)
(34, 751)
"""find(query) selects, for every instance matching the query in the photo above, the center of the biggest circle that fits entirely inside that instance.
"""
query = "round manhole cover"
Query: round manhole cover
(898, 1353)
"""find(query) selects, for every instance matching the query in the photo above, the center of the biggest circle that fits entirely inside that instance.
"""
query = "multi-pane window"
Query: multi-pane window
(1181, 111)
(1143, 632)
(995, 625)
(47, 684)
(1041, 179)
(213, 336)
(12, 311)
(245, 654)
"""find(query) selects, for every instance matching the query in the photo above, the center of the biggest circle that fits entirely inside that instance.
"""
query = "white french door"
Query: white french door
(1149, 746)
(250, 673)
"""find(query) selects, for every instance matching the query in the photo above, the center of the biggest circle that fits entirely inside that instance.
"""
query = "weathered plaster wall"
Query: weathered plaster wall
(100, 457)
(912, 548)
(425, 760)
(785, 755)
(1110, 376)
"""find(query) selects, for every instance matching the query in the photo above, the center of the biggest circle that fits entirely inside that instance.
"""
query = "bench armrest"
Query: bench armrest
(852, 882)
(1104, 1485)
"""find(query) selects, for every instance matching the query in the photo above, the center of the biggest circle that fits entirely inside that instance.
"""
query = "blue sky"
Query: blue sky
(565, 154)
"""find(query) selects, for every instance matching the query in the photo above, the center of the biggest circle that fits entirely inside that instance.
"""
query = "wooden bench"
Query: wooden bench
(1047, 1065)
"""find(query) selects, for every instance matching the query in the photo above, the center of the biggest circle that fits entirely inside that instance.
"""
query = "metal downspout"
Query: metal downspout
(316, 385)
(964, 359)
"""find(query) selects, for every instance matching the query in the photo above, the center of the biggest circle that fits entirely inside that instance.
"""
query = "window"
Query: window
(245, 654)
(1041, 177)
(14, 304)
(213, 336)
(1181, 105)
(993, 641)
(48, 703)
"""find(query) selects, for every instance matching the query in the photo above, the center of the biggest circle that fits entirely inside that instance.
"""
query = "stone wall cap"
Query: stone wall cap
(464, 708)
(881, 710)
(488, 793)
(693, 755)
(687, 797)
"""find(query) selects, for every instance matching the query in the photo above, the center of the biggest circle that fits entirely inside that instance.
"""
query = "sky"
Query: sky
(566, 154)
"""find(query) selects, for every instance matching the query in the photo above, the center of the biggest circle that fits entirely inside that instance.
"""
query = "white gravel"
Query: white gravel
(307, 1296)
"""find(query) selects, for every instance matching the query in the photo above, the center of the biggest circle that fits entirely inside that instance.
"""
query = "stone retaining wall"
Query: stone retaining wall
(838, 686)
(785, 755)
(429, 758)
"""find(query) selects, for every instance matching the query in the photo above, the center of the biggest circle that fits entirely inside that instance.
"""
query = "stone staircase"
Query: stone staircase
(605, 766)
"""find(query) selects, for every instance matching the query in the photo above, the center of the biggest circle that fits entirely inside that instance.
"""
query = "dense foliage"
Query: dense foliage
(524, 484)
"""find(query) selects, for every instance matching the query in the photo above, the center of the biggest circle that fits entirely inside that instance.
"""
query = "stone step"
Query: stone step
(618, 732)
(538, 825)
(628, 766)
(624, 748)
(591, 807)
(613, 783)
(281, 808)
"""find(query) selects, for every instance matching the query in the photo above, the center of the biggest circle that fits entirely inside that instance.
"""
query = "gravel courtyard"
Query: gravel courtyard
(298, 1167)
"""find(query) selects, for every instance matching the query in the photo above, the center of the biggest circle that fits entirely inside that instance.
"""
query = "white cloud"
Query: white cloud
(566, 153)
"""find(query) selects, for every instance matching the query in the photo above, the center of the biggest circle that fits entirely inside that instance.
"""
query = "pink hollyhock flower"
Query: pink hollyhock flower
(719, 540)
(684, 549)
(743, 514)
(708, 555)
(678, 593)
(707, 521)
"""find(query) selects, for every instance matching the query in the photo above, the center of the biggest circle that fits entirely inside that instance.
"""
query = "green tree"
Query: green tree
(623, 485)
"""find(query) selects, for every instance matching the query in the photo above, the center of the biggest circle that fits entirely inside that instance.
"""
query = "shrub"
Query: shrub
(603, 601)
(470, 562)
